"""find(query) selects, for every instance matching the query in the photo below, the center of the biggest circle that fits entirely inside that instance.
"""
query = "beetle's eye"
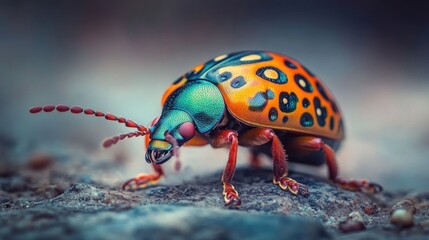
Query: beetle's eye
(187, 130)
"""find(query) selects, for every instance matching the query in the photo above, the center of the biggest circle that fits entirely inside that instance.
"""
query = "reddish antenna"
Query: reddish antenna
(90, 112)
(113, 140)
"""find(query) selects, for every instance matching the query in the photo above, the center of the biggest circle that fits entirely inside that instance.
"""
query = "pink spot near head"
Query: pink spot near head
(187, 130)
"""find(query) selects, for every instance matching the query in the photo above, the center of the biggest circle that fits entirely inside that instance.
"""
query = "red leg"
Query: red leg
(305, 144)
(222, 139)
(259, 136)
(142, 180)
(281, 170)
(349, 184)
(255, 160)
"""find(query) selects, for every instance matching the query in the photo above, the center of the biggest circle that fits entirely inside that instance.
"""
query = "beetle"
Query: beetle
(262, 100)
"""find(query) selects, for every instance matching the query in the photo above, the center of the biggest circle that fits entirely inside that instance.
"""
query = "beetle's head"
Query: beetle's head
(173, 129)
(196, 106)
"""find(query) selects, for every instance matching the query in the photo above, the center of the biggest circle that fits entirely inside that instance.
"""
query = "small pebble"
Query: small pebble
(404, 204)
(370, 209)
(402, 218)
(353, 223)
(351, 226)
(355, 216)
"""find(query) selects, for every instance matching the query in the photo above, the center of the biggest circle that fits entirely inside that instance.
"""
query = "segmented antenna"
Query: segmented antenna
(90, 112)
(113, 140)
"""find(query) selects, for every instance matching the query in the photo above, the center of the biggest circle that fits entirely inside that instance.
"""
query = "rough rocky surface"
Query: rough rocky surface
(45, 199)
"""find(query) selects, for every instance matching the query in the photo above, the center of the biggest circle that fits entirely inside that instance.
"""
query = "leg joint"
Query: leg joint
(232, 136)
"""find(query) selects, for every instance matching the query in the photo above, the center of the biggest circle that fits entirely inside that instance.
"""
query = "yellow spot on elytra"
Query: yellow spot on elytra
(318, 112)
(302, 83)
(221, 57)
(270, 73)
(250, 57)
(284, 100)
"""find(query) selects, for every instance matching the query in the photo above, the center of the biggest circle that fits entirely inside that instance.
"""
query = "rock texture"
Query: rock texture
(51, 201)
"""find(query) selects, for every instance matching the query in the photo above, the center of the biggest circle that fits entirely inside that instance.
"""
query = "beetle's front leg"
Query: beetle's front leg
(220, 139)
(260, 136)
(144, 179)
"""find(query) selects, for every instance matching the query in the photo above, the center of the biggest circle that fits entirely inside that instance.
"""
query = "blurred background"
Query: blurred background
(119, 57)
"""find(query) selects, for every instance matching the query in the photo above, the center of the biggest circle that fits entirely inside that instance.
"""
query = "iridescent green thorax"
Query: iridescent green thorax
(202, 100)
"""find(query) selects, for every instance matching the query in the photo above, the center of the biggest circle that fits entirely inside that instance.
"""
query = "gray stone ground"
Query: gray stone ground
(47, 199)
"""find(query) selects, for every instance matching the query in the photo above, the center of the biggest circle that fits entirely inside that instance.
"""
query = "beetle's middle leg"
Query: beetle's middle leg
(226, 138)
(260, 136)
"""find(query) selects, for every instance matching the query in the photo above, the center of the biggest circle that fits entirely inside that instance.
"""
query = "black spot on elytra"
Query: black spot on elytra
(273, 114)
(290, 65)
(305, 103)
(322, 91)
(308, 71)
(258, 102)
(189, 75)
(224, 76)
(306, 120)
(285, 119)
(331, 123)
(334, 106)
(306, 84)
(340, 126)
(281, 77)
(288, 102)
(238, 82)
(178, 80)
(322, 110)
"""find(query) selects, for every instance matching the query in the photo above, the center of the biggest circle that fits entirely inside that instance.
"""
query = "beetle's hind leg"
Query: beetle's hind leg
(349, 184)
(260, 136)
(306, 144)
